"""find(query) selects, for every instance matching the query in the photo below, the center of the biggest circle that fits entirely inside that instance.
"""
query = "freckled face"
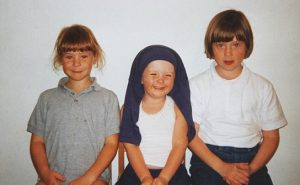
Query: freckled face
(78, 65)
(158, 79)
(229, 57)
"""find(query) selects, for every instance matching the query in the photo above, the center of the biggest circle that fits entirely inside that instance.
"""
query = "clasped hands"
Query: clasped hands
(156, 181)
(236, 173)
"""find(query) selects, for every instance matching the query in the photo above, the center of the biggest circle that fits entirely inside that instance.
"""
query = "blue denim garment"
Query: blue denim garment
(129, 176)
(202, 174)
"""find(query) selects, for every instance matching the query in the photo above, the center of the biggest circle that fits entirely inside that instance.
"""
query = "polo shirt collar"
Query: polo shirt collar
(94, 86)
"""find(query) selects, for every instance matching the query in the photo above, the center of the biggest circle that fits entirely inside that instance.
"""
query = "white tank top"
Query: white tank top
(157, 131)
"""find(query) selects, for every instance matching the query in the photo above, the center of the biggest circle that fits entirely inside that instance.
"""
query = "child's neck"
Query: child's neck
(152, 105)
(79, 86)
(229, 75)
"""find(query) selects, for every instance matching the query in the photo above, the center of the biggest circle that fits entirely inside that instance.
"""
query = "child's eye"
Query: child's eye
(237, 44)
(68, 57)
(168, 75)
(84, 56)
(220, 44)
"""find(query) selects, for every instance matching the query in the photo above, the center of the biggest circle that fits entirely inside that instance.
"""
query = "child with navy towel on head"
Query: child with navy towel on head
(156, 123)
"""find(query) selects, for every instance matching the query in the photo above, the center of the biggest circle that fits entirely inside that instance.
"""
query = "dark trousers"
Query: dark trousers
(202, 174)
(129, 176)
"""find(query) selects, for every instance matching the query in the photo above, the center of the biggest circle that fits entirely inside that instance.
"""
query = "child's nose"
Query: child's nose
(228, 50)
(160, 79)
(76, 61)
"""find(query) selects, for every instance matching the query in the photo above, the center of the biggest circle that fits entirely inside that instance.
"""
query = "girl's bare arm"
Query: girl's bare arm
(40, 161)
(179, 145)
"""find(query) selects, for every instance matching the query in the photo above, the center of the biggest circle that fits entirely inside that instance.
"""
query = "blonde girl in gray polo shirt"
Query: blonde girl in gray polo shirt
(75, 126)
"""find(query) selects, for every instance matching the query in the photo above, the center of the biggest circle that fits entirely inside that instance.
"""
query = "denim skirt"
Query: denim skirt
(202, 174)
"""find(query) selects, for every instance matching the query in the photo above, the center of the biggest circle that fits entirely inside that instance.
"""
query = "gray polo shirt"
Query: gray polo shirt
(74, 126)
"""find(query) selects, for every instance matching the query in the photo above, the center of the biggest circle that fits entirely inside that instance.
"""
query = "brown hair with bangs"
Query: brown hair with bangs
(77, 38)
(224, 27)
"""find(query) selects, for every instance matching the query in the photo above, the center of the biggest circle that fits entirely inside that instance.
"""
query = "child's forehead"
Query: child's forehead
(77, 52)
(234, 39)
(160, 65)
(76, 48)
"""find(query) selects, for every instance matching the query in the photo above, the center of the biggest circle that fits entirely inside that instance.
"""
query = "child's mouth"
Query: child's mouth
(228, 62)
(159, 88)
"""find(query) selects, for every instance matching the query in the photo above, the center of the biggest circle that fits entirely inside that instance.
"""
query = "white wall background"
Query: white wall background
(29, 28)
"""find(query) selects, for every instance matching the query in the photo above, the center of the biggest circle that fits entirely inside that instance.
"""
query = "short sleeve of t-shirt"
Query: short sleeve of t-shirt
(197, 96)
(36, 123)
(196, 104)
(271, 116)
(113, 120)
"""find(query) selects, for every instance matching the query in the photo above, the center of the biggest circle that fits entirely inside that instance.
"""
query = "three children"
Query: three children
(237, 114)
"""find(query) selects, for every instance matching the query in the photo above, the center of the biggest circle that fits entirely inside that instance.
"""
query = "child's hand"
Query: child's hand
(147, 181)
(52, 178)
(159, 181)
(236, 173)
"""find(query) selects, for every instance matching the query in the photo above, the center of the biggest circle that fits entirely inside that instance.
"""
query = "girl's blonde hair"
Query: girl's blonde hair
(224, 27)
(77, 38)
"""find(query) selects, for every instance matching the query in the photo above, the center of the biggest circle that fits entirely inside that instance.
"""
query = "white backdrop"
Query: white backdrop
(29, 28)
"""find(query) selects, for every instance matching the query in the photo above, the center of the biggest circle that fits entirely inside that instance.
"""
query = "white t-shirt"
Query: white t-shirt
(157, 131)
(233, 112)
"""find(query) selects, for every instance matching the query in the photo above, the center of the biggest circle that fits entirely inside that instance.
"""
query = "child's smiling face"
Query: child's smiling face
(77, 65)
(158, 78)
